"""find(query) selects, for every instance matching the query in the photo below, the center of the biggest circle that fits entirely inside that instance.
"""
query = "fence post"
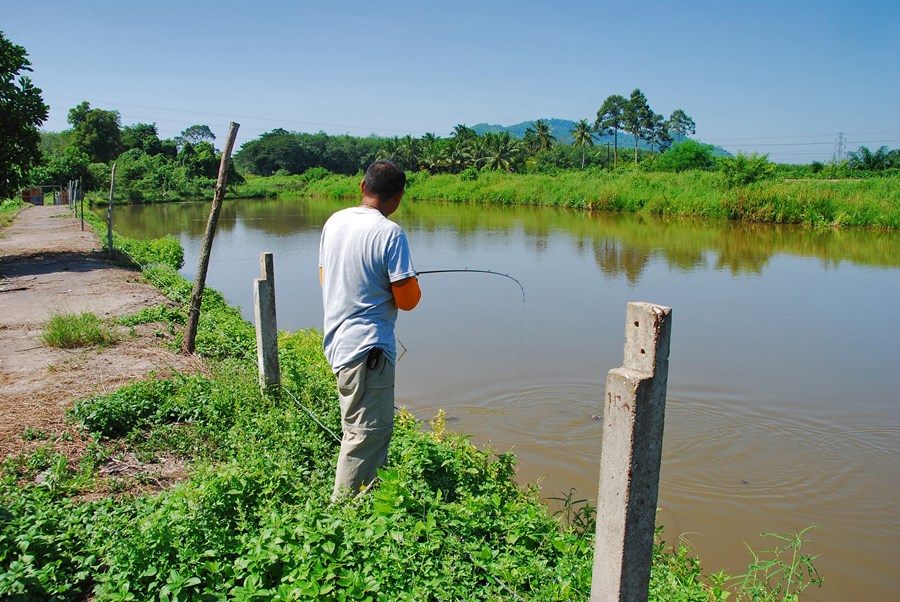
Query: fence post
(633, 420)
(109, 209)
(193, 317)
(266, 325)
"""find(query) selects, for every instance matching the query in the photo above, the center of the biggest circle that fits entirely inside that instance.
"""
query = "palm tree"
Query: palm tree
(407, 152)
(499, 151)
(866, 159)
(543, 134)
(452, 156)
(463, 132)
(582, 134)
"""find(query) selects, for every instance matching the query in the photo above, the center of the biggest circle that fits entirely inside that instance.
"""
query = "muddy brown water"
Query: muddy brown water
(784, 380)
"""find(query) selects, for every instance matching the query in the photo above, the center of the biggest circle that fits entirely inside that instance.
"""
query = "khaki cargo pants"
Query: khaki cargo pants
(367, 415)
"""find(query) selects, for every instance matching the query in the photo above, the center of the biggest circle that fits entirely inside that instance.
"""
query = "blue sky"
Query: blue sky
(783, 78)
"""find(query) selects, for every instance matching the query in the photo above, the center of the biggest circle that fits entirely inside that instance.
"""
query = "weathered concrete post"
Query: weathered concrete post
(629, 463)
(266, 325)
(109, 210)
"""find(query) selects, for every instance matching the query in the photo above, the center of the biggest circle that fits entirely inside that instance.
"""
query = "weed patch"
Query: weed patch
(70, 331)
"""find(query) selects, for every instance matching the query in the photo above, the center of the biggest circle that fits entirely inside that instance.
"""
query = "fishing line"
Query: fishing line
(518, 378)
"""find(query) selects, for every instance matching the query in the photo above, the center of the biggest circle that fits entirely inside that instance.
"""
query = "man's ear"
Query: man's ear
(362, 186)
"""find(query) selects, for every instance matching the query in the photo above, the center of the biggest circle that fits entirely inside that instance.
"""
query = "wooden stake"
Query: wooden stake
(190, 333)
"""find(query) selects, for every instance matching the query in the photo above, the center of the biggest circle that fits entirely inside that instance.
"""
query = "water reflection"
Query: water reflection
(622, 244)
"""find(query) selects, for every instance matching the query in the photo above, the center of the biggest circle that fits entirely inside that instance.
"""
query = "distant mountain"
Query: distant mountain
(561, 128)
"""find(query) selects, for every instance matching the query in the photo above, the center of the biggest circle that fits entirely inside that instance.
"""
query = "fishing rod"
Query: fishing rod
(476, 272)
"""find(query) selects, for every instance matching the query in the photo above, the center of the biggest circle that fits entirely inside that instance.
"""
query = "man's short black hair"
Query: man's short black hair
(384, 180)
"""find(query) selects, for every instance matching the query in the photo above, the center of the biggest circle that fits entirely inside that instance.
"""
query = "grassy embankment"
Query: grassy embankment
(873, 202)
(252, 519)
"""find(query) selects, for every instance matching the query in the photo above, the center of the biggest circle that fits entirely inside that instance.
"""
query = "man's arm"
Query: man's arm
(406, 293)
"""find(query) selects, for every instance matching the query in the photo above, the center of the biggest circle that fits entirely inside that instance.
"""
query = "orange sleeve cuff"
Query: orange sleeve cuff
(407, 293)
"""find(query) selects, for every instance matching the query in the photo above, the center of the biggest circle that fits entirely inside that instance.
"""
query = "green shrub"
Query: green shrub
(688, 154)
(744, 169)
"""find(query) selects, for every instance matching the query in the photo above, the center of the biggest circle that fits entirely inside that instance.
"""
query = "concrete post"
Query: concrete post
(266, 325)
(629, 463)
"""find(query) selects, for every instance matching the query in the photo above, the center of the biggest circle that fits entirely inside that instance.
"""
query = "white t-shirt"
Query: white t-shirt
(361, 253)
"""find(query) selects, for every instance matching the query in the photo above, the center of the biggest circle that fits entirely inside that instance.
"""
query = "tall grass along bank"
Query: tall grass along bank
(872, 202)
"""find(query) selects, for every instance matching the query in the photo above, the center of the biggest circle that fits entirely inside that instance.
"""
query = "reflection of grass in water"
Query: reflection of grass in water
(69, 331)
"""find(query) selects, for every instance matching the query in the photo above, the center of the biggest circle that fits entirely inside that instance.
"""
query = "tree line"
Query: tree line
(147, 166)
(185, 166)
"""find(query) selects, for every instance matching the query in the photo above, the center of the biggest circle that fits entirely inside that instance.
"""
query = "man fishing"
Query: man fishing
(366, 274)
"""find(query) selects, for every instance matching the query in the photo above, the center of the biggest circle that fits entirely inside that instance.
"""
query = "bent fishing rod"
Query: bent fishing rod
(475, 272)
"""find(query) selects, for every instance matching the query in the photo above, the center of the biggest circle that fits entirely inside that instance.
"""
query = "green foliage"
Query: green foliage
(686, 155)
(22, 111)
(782, 573)
(194, 135)
(70, 331)
(744, 169)
(143, 137)
(881, 160)
(157, 313)
(296, 153)
(8, 210)
(96, 132)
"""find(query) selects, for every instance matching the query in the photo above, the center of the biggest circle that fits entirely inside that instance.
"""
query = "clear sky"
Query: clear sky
(779, 77)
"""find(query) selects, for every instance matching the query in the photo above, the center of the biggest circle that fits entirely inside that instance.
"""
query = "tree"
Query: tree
(96, 132)
(879, 160)
(658, 133)
(637, 118)
(463, 132)
(195, 135)
(22, 111)
(142, 136)
(542, 135)
(499, 151)
(610, 118)
(681, 124)
(686, 155)
(582, 134)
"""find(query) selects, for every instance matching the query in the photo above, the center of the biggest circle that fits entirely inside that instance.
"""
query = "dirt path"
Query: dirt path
(49, 266)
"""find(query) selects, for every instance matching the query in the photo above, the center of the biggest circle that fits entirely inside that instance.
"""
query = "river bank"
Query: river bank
(870, 202)
(447, 521)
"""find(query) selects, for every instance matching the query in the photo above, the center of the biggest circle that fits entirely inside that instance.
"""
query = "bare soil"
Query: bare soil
(48, 266)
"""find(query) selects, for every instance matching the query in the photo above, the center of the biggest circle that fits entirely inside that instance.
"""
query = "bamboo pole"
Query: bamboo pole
(193, 318)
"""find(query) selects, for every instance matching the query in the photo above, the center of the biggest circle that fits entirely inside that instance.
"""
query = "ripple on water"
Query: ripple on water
(727, 447)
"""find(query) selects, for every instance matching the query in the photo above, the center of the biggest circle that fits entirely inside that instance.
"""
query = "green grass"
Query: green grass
(70, 331)
(9, 209)
(873, 202)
